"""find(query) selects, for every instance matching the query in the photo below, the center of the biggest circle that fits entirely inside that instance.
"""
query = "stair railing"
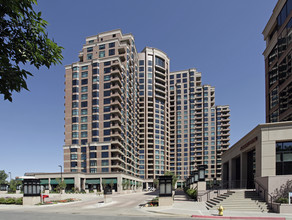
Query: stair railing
(214, 188)
(266, 193)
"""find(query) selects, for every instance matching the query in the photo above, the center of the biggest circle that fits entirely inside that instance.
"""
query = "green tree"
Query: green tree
(3, 177)
(23, 40)
(174, 177)
(61, 185)
(13, 185)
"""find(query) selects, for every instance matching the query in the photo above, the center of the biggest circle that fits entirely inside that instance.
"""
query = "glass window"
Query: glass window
(89, 56)
(101, 54)
(102, 46)
(111, 52)
(84, 89)
(110, 45)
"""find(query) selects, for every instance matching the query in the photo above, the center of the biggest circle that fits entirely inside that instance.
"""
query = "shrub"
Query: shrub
(18, 201)
(2, 201)
(10, 201)
(282, 200)
(191, 193)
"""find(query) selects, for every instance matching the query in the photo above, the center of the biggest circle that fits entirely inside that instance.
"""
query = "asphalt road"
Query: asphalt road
(123, 206)
(53, 216)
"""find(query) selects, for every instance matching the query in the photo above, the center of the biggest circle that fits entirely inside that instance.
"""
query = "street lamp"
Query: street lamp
(61, 173)
(10, 176)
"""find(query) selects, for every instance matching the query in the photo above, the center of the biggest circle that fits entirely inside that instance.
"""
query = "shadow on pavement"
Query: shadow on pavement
(152, 193)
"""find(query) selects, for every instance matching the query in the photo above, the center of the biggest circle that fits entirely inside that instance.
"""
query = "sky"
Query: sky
(221, 39)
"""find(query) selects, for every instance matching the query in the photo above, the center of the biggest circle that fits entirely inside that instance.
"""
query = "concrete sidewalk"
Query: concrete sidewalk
(185, 207)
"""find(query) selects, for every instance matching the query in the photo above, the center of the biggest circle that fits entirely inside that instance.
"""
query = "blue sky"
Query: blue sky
(222, 39)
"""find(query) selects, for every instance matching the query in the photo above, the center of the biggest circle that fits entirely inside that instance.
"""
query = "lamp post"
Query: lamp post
(9, 176)
(61, 173)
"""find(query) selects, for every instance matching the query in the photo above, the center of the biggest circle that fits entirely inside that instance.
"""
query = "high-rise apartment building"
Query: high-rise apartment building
(154, 113)
(199, 130)
(102, 107)
(125, 112)
(278, 59)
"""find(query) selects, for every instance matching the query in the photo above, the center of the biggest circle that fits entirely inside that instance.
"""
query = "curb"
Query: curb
(235, 217)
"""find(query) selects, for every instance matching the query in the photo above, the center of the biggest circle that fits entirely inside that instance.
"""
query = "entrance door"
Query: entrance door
(250, 169)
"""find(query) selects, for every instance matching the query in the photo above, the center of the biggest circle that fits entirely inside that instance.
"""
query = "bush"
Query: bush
(10, 201)
(191, 193)
(282, 200)
(2, 201)
(18, 201)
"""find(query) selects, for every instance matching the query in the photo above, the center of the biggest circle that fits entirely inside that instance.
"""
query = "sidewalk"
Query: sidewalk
(184, 207)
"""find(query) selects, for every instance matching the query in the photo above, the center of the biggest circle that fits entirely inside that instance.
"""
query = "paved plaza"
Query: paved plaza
(124, 206)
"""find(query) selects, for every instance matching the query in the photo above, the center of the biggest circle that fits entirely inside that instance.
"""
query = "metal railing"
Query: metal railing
(260, 189)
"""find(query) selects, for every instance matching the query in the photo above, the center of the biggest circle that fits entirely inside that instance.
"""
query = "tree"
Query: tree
(13, 185)
(281, 194)
(3, 177)
(174, 177)
(61, 185)
(23, 40)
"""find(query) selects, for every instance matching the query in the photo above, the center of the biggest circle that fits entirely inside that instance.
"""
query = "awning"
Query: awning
(54, 182)
(44, 181)
(69, 180)
(109, 181)
(92, 181)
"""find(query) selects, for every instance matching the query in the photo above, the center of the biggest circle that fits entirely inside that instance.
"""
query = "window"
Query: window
(74, 119)
(104, 163)
(92, 155)
(73, 164)
(159, 62)
(84, 74)
(84, 134)
(75, 89)
(84, 81)
(84, 96)
(73, 156)
(107, 85)
(107, 93)
(108, 63)
(106, 124)
(75, 75)
(75, 97)
(83, 126)
(92, 163)
(84, 68)
(111, 52)
(102, 46)
(107, 70)
(107, 78)
(75, 112)
(101, 54)
(104, 147)
(110, 45)
(95, 132)
(89, 56)
(107, 116)
(84, 119)
(104, 154)
(284, 158)
(89, 49)
(84, 89)
(74, 127)
(84, 111)
(106, 132)
(104, 170)
(75, 82)
(74, 134)
(95, 94)
(84, 104)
